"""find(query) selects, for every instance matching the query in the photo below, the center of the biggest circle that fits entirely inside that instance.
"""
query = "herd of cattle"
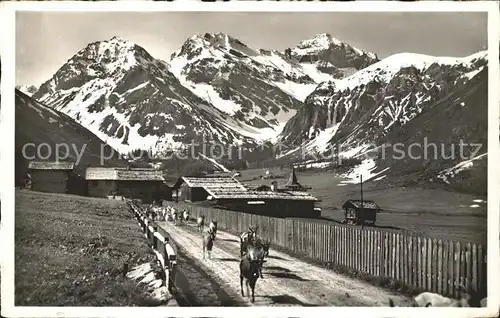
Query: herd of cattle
(254, 250)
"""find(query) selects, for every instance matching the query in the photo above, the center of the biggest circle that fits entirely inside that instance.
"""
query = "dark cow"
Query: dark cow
(262, 252)
(249, 271)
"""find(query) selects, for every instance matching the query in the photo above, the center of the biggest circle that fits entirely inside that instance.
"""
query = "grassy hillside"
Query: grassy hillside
(433, 212)
(70, 251)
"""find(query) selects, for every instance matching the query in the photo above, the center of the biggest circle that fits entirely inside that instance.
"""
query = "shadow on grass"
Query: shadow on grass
(366, 226)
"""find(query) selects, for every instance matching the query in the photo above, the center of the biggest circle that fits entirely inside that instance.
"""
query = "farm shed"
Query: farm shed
(270, 203)
(50, 176)
(196, 188)
(360, 212)
(137, 183)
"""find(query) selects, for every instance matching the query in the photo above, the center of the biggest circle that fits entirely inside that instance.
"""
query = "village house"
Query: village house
(50, 176)
(136, 183)
(230, 194)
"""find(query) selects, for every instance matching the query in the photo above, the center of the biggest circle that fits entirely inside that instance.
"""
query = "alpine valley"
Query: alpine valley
(319, 97)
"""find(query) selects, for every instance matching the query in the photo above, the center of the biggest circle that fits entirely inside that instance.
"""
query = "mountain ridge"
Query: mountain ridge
(230, 93)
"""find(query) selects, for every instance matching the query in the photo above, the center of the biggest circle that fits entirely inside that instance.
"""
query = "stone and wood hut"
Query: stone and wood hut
(50, 176)
(360, 212)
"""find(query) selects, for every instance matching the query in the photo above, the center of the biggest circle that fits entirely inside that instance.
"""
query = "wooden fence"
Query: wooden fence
(419, 262)
(166, 253)
(159, 242)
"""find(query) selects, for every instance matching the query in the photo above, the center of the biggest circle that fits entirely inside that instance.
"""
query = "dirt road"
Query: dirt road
(287, 281)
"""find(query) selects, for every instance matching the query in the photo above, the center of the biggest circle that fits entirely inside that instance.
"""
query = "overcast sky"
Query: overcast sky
(45, 41)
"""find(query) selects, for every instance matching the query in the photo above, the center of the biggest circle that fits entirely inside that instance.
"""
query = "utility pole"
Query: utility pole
(361, 183)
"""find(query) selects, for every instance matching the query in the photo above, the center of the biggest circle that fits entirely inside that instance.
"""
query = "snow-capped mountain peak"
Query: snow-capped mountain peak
(112, 54)
(324, 47)
(27, 89)
(213, 85)
(319, 41)
(214, 45)
(107, 60)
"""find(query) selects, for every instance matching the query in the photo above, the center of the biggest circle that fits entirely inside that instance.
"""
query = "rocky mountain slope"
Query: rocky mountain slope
(405, 99)
(214, 88)
(460, 117)
(377, 100)
(27, 89)
(38, 124)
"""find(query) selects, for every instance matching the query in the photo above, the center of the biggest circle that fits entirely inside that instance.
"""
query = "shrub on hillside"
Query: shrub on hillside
(349, 162)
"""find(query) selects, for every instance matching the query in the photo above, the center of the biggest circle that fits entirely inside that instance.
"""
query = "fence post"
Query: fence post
(171, 261)
(154, 238)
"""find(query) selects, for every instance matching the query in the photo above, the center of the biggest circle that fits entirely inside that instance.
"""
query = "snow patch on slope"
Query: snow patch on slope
(365, 169)
(448, 174)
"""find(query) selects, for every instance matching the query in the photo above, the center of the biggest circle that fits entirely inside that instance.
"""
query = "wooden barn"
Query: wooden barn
(360, 212)
(195, 188)
(272, 202)
(229, 193)
(50, 176)
(137, 183)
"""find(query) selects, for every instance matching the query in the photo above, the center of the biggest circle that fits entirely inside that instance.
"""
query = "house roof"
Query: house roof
(209, 182)
(115, 173)
(367, 204)
(260, 195)
(51, 165)
(258, 187)
(228, 188)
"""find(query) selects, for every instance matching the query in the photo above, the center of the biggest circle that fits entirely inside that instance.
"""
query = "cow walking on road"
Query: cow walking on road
(175, 216)
(258, 252)
(247, 238)
(213, 227)
(249, 271)
(185, 216)
(200, 223)
(208, 243)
